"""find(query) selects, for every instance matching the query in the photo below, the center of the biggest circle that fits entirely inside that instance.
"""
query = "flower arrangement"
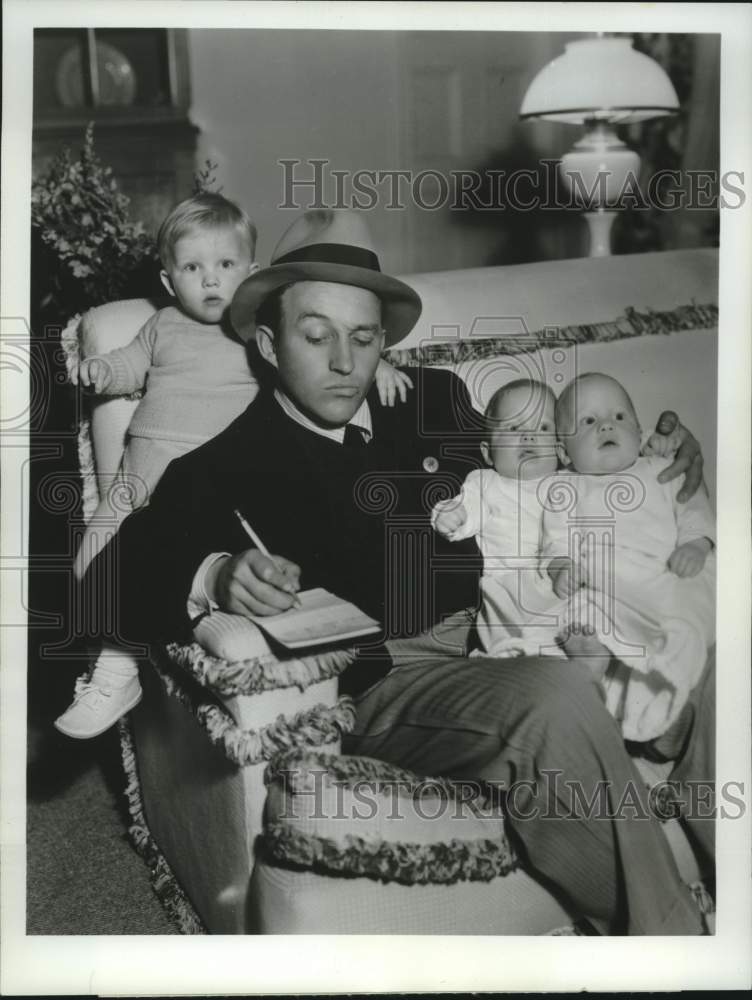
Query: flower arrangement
(86, 249)
(92, 251)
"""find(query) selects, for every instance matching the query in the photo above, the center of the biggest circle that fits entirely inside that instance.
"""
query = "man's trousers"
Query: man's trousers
(538, 730)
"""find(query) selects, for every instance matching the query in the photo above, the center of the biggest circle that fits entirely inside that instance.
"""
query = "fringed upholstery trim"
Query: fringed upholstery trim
(442, 862)
(317, 726)
(163, 881)
(294, 767)
(407, 863)
(632, 324)
(70, 342)
(71, 345)
(260, 673)
(90, 489)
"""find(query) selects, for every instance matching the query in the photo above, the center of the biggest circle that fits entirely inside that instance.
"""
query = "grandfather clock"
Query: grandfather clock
(134, 84)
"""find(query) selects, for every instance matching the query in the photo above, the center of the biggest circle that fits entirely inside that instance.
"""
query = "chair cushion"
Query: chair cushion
(357, 816)
(105, 328)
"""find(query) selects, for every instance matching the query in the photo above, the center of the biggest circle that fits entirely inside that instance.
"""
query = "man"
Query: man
(283, 466)
(331, 482)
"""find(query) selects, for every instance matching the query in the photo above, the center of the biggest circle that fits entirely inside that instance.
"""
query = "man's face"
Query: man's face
(601, 433)
(327, 350)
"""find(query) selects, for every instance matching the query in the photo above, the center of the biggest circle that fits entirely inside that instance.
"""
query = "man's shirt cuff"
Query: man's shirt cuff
(200, 602)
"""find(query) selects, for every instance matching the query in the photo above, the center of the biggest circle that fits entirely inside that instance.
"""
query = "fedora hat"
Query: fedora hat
(328, 245)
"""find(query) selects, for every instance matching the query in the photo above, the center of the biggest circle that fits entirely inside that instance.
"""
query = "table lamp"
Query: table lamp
(599, 82)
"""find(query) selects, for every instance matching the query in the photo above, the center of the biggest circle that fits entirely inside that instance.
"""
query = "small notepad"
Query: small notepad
(322, 618)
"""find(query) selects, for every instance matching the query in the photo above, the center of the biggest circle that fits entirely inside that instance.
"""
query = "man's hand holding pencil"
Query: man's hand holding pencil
(254, 582)
(251, 583)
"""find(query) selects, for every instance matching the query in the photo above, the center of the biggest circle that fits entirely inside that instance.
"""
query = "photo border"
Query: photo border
(132, 965)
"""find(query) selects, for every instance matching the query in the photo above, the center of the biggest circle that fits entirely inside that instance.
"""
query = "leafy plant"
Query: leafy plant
(205, 180)
(93, 250)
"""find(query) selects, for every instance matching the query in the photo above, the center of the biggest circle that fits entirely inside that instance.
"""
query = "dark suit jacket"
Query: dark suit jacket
(356, 520)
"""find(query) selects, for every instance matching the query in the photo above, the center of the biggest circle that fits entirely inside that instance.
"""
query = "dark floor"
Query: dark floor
(83, 876)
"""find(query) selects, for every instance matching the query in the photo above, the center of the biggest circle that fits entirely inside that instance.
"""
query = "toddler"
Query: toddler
(502, 507)
(636, 566)
(197, 381)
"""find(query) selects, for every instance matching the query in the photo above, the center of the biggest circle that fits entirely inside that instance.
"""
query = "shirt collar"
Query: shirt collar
(361, 418)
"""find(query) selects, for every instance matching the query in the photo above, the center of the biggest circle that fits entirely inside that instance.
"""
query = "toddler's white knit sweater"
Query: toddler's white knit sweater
(196, 378)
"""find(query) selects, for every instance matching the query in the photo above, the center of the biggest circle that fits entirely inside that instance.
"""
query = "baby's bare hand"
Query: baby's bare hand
(565, 577)
(95, 374)
(688, 559)
(449, 518)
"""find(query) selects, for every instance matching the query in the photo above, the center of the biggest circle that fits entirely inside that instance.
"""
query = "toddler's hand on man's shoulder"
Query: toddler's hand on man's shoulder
(391, 383)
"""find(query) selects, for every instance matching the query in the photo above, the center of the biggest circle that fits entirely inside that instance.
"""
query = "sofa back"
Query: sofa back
(640, 318)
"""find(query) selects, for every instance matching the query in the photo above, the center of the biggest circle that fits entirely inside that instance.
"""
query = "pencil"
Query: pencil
(263, 549)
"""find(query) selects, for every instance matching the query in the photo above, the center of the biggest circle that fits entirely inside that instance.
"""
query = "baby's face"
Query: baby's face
(522, 444)
(601, 432)
(206, 269)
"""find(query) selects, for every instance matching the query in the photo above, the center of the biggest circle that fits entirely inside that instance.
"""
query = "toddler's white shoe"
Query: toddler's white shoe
(95, 707)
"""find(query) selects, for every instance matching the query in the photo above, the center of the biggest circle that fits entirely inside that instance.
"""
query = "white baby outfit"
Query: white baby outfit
(519, 611)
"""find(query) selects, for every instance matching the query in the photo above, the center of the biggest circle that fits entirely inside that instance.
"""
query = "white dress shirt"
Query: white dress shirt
(360, 419)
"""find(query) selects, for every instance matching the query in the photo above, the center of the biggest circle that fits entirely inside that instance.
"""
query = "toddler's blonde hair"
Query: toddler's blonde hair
(203, 211)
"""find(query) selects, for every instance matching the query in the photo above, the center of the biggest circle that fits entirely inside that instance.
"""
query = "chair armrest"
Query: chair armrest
(104, 329)
(114, 325)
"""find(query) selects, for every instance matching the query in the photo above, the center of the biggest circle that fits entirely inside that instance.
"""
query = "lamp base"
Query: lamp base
(597, 172)
(599, 224)
(599, 169)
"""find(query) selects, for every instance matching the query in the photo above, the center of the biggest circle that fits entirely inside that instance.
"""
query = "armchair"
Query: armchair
(224, 721)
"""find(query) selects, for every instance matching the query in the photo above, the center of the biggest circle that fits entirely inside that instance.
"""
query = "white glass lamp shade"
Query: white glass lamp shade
(603, 79)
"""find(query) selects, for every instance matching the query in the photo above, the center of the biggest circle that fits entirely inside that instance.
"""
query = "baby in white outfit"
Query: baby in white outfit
(599, 562)
(636, 566)
(502, 506)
